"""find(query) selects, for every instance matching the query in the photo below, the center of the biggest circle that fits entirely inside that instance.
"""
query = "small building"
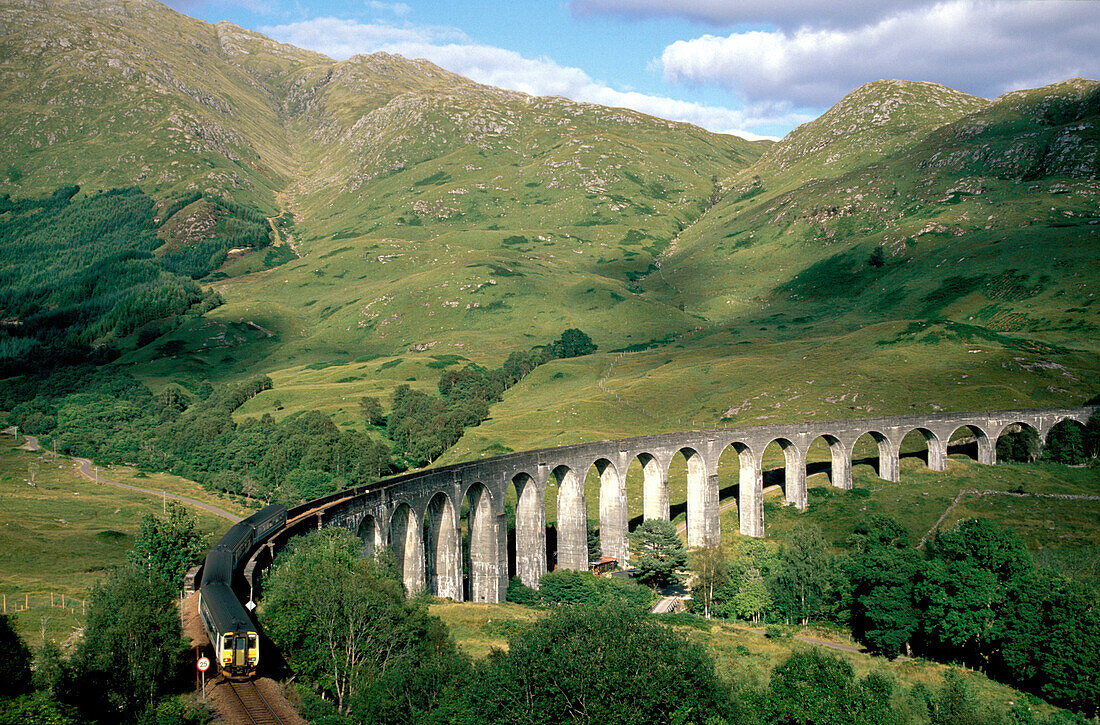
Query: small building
(602, 565)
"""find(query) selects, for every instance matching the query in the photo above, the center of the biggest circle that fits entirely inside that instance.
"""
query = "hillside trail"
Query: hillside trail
(85, 469)
(667, 604)
(673, 245)
(1017, 494)
(284, 200)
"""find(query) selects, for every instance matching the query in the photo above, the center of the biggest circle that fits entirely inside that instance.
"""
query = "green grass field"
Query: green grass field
(59, 537)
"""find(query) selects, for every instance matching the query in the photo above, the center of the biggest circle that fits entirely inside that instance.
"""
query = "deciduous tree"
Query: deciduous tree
(1021, 446)
(752, 600)
(882, 570)
(1065, 443)
(709, 573)
(371, 410)
(169, 545)
(15, 661)
(815, 688)
(343, 622)
(131, 648)
(803, 575)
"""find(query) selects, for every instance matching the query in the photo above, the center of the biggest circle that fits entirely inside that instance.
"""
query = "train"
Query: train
(229, 626)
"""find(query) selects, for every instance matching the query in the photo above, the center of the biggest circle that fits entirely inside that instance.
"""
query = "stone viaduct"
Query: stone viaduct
(419, 515)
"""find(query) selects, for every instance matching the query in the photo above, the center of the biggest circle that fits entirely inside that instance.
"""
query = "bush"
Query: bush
(37, 709)
(774, 631)
(520, 593)
(15, 661)
(565, 586)
(608, 664)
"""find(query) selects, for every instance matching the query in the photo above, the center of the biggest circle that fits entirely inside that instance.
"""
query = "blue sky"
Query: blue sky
(756, 68)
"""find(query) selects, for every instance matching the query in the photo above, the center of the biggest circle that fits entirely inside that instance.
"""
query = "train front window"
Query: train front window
(227, 642)
(251, 641)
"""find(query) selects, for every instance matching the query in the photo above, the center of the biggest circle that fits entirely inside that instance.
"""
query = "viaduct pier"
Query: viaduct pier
(419, 515)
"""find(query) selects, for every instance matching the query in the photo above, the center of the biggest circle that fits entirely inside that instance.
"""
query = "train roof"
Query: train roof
(238, 533)
(273, 511)
(225, 610)
(218, 567)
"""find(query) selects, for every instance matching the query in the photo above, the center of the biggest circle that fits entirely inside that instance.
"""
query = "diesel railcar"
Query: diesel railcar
(231, 631)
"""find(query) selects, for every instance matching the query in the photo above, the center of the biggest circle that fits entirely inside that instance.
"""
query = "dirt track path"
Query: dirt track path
(85, 468)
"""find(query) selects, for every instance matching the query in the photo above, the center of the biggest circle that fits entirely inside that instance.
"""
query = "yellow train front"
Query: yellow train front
(239, 653)
(232, 634)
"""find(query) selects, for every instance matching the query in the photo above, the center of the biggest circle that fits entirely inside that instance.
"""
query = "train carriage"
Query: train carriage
(232, 633)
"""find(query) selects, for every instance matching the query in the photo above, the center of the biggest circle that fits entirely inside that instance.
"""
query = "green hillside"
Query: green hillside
(915, 248)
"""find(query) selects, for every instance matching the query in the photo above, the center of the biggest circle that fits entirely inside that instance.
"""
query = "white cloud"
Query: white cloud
(982, 47)
(784, 13)
(395, 8)
(341, 39)
(507, 69)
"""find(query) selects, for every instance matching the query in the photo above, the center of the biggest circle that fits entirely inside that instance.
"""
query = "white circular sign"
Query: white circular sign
(203, 664)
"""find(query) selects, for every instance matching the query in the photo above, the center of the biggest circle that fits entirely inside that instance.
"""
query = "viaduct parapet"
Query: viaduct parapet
(419, 516)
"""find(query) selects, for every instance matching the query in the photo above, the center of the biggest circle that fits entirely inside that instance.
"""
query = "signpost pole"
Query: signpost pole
(203, 664)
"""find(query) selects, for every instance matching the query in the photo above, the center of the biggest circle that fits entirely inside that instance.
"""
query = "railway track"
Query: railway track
(255, 707)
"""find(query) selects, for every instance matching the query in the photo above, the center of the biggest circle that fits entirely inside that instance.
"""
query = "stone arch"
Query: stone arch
(935, 450)
(407, 546)
(654, 487)
(442, 549)
(530, 529)
(370, 533)
(702, 500)
(987, 454)
(613, 511)
(1020, 424)
(750, 489)
(840, 462)
(1065, 441)
(887, 459)
(572, 523)
(481, 557)
(1002, 442)
(794, 472)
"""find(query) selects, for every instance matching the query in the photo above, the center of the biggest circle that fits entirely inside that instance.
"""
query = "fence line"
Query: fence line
(57, 601)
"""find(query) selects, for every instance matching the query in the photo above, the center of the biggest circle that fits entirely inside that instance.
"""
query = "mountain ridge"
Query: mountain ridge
(436, 221)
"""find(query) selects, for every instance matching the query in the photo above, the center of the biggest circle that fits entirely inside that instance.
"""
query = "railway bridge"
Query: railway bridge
(419, 515)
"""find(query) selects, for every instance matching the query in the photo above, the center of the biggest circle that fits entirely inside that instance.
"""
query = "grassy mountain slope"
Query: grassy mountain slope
(876, 120)
(133, 93)
(1003, 186)
(984, 295)
(438, 220)
(432, 210)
